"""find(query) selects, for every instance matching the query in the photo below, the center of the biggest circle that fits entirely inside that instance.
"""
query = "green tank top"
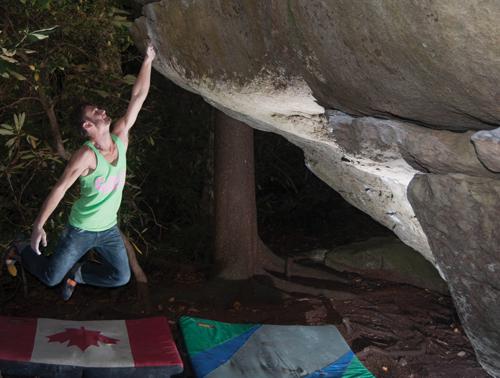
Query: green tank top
(100, 192)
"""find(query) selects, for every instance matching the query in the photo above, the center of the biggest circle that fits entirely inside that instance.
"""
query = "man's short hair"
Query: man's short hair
(79, 118)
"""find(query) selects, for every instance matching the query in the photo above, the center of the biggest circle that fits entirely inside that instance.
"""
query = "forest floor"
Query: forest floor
(396, 330)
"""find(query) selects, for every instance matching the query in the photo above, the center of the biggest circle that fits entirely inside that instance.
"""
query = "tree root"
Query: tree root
(392, 353)
(140, 277)
(144, 297)
(294, 269)
(289, 286)
(266, 262)
(348, 327)
(371, 333)
(289, 266)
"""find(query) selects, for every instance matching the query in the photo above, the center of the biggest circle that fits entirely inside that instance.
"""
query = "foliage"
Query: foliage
(64, 47)
(54, 52)
(19, 172)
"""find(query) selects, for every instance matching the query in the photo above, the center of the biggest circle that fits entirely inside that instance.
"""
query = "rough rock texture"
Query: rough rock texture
(435, 62)
(427, 150)
(277, 65)
(460, 216)
(385, 258)
(487, 145)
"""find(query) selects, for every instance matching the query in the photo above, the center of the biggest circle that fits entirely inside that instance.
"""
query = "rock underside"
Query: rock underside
(385, 258)
(394, 103)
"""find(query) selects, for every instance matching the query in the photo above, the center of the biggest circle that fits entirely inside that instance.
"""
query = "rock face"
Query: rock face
(487, 145)
(459, 214)
(434, 62)
(384, 98)
(385, 258)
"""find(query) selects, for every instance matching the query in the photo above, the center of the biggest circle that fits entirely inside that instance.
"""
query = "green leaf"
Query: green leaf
(43, 4)
(46, 30)
(120, 21)
(6, 132)
(19, 120)
(115, 10)
(18, 166)
(17, 75)
(129, 79)
(28, 156)
(40, 33)
(9, 53)
(32, 140)
(38, 36)
(22, 118)
(101, 93)
(10, 142)
(8, 59)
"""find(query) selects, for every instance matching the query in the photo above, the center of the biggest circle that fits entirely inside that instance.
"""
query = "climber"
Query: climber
(100, 165)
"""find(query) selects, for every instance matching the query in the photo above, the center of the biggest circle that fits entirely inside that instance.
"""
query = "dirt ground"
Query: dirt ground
(396, 330)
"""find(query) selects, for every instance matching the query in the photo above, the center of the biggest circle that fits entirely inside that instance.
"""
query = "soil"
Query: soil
(396, 330)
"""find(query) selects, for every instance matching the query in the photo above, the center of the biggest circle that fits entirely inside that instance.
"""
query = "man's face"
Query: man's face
(97, 117)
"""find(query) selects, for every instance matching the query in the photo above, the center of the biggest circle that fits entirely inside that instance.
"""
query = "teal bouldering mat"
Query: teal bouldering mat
(218, 349)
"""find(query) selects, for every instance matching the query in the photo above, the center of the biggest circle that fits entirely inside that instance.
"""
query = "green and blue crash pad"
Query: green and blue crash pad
(219, 349)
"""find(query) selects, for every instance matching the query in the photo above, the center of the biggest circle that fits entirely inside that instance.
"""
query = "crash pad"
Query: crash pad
(218, 349)
(100, 348)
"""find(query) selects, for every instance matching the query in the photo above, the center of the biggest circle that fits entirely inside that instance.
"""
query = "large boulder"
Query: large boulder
(384, 98)
(385, 258)
(433, 62)
(459, 214)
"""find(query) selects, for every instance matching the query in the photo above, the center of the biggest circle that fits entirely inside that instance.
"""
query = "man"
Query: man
(100, 165)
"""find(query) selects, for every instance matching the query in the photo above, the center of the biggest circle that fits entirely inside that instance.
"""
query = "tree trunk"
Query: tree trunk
(239, 251)
(236, 238)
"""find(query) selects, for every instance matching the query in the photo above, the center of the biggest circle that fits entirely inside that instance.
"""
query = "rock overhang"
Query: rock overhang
(435, 63)
(384, 100)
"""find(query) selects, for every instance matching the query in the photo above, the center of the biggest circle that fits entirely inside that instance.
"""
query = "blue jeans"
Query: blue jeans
(74, 243)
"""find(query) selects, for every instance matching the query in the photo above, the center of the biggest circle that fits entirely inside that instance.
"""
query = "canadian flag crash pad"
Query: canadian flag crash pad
(101, 348)
(223, 350)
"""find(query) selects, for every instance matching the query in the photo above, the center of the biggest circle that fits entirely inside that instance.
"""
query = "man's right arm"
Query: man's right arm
(80, 162)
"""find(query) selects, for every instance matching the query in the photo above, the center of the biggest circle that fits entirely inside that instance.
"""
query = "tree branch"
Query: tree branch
(48, 106)
(18, 101)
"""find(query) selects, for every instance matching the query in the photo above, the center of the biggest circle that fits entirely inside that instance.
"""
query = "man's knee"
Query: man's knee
(52, 280)
(122, 277)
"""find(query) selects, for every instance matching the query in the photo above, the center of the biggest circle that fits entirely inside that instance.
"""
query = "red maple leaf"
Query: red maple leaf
(81, 337)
